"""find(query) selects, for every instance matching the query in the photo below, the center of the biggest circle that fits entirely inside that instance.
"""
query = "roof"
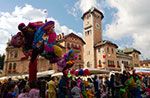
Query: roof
(91, 11)
(146, 61)
(118, 51)
(71, 34)
(101, 43)
(130, 50)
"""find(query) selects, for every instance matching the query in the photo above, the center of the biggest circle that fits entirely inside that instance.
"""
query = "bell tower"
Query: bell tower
(92, 31)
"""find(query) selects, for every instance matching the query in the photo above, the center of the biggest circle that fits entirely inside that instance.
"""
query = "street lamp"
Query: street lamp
(46, 15)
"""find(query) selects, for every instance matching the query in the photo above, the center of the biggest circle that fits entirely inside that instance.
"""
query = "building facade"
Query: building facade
(103, 54)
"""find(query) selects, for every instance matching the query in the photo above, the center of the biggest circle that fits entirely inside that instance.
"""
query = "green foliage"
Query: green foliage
(2, 61)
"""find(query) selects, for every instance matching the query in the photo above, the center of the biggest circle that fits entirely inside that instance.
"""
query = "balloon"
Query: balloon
(86, 72)
(81, 72)
(77, 73)
(61, 64)
(57, 51)
(52, 37)
(17, 40)
(38, 24)
(48, 27)
(72, 71)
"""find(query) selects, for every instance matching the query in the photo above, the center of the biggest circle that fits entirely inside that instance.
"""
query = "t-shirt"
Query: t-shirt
(34, 93)
(76, 92)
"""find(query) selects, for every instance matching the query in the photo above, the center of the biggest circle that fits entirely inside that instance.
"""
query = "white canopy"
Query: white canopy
(96, 71)
(39, 74)
(45, 73)
(57, 74)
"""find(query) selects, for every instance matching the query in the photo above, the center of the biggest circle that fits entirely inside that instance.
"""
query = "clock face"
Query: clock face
(97, 26)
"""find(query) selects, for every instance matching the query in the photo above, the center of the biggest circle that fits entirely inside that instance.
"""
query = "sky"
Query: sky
(126, 22)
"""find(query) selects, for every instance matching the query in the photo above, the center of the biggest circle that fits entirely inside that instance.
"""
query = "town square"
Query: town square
(74, 49)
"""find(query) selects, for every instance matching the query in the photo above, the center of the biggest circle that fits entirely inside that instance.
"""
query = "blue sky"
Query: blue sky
(126, 22)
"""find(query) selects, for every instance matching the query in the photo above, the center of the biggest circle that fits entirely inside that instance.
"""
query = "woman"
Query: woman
(34, 92)
(10, 89)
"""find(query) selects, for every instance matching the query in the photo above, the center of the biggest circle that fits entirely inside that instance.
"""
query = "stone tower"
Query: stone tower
(92, 31)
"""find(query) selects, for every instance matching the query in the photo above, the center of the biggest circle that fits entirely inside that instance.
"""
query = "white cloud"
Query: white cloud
(84, 5)
(131, 20)
(9, 22)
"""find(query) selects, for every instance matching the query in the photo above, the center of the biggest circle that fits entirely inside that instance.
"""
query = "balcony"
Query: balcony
(111, 65)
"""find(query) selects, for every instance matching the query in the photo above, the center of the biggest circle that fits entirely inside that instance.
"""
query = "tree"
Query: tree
(2, 61)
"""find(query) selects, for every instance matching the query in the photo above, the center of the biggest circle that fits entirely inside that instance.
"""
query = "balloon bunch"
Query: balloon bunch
(67, 61)
(31, 39)
(82, 72)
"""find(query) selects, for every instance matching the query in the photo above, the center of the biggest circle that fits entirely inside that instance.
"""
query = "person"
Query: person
(99, 86)
(10, 89)
(107, 85)
(95, 86)
(75, 91)
(103, 92)
(34, 92)
(52, 88)
(24, 92)
(117, 85)
(112, 85)
(62, 86)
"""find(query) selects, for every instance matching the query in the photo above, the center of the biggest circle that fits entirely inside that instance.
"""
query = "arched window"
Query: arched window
(68, 45)
(14, 67)
(10, 65)
(88, 64)
(112, 50)
(72, 45)
(99, 62)
(108, 49)
(16, 54)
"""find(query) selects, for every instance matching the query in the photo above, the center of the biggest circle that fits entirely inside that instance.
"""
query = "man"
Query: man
(75, 91)
(62, 86)
(52, 88)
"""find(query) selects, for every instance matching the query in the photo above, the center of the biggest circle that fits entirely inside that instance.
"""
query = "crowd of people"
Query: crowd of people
(118, 85)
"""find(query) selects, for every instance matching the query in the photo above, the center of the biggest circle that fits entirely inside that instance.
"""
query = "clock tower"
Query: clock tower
(92, 31)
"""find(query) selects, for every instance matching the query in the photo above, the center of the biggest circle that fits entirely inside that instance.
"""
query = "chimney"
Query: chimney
(59, 36)
(62, 35)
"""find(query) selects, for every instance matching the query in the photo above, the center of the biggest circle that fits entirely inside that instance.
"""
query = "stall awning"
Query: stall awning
(97, 71)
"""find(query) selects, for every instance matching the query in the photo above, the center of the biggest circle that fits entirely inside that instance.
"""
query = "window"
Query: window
(99, 62)
(11, 54)
(72, 45)
(99, 49)
(10, 65)
(75, 45)
(112, 50)
(108, 49)
(110, 62)
(117, 63)
(68, 45)
(137, 56)
(14, 67)
(79, 57)
(87, 16)
(16, 54)
(79, 46)
(87, 32)
(88, 64)
(134, 55)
